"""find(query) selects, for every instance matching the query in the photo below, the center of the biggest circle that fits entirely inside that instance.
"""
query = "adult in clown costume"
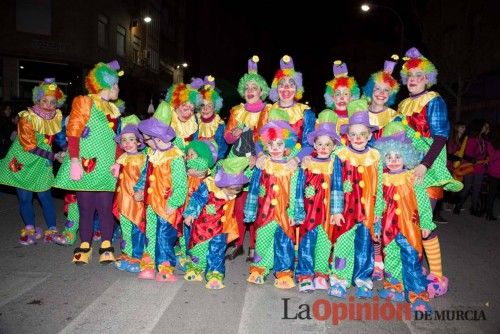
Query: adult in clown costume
(87, 169)
(210, 125)
(339, 91)
(242, 132)
(426, 115)
(286, 91)
(28, 163)
(183, 99)
(381, 90)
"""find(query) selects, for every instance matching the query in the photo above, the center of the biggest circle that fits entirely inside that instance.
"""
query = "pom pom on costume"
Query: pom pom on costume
(384, 76)
(253, 76)
(49, 88)
(414, 59)
(103, 76)
(287, 70)
(341, 79)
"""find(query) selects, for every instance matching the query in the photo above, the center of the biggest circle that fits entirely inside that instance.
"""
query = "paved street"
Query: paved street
(42, 292)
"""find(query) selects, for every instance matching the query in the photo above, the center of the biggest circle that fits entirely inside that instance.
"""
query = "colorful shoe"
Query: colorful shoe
(122, 262)
(214, 284)
(97, 236)
(147, 268)
(82, 254)
(393, 290)
(49, 235)
(255, 278)
(251, 254)
(306, 285)
(419, 301)
(320, 283)
(106, 251)
(192, 275)
(165, 273)
(337, 290)
(421, 306)
(363, 292)
(27, 236)
(284, 282)
(437, 286)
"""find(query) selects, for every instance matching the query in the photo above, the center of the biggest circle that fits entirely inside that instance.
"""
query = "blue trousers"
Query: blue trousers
(28, 213)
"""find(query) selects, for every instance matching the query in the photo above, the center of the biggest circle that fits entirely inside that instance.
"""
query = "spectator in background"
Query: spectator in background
(493, 171)
(476, 154)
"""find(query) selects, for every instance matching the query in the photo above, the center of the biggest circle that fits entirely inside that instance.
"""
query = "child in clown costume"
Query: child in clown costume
(210, 215)
(201, 156)
(286, 90)
(381, 90)
(407, 218)
(339, 92)
(92, 152)
(165, 189)
(242, 132)
(425, 114)
(320, 202)
(352, 261)
(183, 99)
(68, 235)
(28, 163)
(270, 205)
(210, 124)
(127, 210)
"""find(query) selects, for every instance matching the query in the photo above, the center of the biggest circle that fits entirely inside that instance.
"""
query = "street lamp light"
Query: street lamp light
(366, 7)
(184, 65)
(147, 19)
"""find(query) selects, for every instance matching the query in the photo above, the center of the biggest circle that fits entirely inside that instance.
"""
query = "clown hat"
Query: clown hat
(253, 76)
(395, 131)
(286, 70)
(278, 128)
(341, 78)
(158, 125)
(414, 59)
(384, 76)
(130, 124)
(358, 114)
(325, 126)
(48, 87)
(206, 150)
(103, 76)
(231, 172)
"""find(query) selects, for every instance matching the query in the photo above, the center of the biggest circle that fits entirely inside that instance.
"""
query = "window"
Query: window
(121, 37)
(102, 31)
(136, 45)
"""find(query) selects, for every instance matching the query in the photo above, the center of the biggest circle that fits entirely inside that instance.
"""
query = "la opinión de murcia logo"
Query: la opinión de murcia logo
(323, 310)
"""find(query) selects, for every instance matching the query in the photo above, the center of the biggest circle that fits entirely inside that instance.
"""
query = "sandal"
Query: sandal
(82, 254)
(106, 251)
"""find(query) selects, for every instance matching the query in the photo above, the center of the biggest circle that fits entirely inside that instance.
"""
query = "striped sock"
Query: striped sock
(377, 251)
(433, 253)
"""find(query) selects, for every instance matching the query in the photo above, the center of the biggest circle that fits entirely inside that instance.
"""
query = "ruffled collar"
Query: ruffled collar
(255, 107)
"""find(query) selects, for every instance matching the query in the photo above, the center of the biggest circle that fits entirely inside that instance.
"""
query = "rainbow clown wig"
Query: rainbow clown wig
(394, 140)
(208, 91)
(181, 93)
(384, 76)
(49, 88)
(341, 79)
(414, 59)
(286, 70)
(253, 76)
(277, 128)
(103, 76)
